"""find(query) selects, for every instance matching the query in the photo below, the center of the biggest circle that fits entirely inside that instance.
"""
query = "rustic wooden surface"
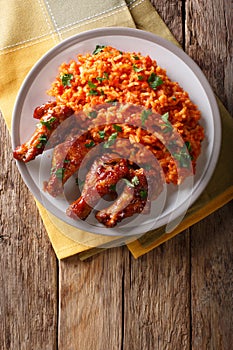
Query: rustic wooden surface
(179, 296)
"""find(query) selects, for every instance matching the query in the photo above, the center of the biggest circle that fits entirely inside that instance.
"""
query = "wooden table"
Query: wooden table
(177, 297)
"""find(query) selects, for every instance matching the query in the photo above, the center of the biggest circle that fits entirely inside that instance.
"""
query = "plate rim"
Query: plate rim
(128, 32)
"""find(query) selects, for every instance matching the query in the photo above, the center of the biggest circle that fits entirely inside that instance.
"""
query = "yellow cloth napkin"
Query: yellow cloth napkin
(27, 30)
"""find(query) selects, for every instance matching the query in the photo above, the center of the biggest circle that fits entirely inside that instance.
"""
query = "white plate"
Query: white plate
(179, 68)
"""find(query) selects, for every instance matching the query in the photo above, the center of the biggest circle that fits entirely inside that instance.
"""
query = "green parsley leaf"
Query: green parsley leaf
(105, 77)
(48, 123)
(145, 114)
(90, 144)
(188, 145)
(91, 85)
(102, 134)
(137, 69)
(112, 187)
(183, 158)
(135, 180)
(114, 102)
(92, 92)
(98, 49)
(143, 194)
(140, 77)
(154, 81)
(117, 127)
(42, 141)
(66, 79)
(111, 140)
(147, 166)
(165, 117)
(167, 124)
(128, 183)
(92, 114)
(174, 98)
(100, 79)
(136, 58)
(60, 173)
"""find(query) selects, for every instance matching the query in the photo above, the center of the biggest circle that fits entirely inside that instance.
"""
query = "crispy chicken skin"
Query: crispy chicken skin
(138, 188)
(67, 158)
(69, 155)
(100, 180)
(51, 116)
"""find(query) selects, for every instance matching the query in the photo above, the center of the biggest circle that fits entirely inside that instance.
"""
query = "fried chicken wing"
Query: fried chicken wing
(67, 158)
(51, 116)
(132, 200)
(100, 180)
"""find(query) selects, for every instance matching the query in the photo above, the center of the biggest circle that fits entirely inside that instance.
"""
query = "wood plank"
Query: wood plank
(172, 13)
(91, 301)
(212, 281)
(209, 43)
(157, 298)
(28, 272)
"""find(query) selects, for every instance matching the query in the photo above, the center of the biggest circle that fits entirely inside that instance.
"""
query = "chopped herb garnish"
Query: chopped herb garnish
(112, 187)
(135, 181)
(100, 79)
(92, 114)
(48, 123)
(114, 102)
(90, 144)
(66, 79)
(183, 156)
(174, 98)
(137, 69)
(143, 194)
(52, 170)
(167, 124)
(188, 145)
(60, 173)
(98, 49)
(140, 77)
(121, 52)
(111, 140)
(136, 58)
(145, 114)
(66, 161)
(147, 166)
(93, 92)
(105, 77)
(117, 127)
(91, 85)
(42, 141)
(102, 134)
(154, 81)
(128, 183)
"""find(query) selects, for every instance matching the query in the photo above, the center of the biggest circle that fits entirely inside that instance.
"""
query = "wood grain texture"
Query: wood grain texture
(91, 301)
(212, 281)
(177, 297)
(157, 298)
(172, 13)
(208, 40)
(28, 293)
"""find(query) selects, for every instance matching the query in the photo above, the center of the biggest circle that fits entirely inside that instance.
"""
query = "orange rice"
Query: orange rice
(130, 78)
